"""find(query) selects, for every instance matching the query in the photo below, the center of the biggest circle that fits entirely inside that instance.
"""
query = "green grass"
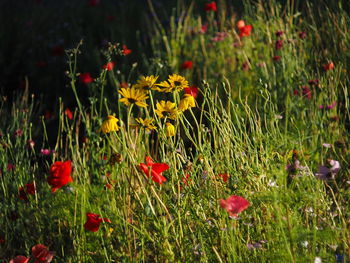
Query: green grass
(247, 123)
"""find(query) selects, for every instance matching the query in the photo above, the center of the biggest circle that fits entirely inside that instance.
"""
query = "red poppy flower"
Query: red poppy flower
(154, 170)
(69, 113)
(126, 51)
(85, 78)
(193, 91)
(24, 191)
(306, 92)
(41, 254)
(224, 177)
(20, 259)
(245, 31)
(93, 222)
(109, 66)
(210, 7)
(187, 64)
(328, 66)
(234, 205)
(60, 175)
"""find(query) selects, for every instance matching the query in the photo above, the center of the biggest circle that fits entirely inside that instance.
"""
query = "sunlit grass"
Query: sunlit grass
(258, 129)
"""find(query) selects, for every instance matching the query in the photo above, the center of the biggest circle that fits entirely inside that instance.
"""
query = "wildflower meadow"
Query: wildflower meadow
(174, 131)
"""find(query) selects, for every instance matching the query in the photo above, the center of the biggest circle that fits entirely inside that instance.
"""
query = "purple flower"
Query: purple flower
(256, 245)
(220, 36)
(331, 106)
(236, 44)
(339, 258)
(295, 169)
(45, 151)
(328, 107)
(326, 173)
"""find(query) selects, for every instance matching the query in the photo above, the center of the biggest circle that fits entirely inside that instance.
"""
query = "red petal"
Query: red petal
(158, 178)
(234, 205)
(223, 203)
(93, 222)
(106, 220)
(149, 161)
(40, 252)
(144, 168)
(160, 167)
(60, 174)
(19, 259)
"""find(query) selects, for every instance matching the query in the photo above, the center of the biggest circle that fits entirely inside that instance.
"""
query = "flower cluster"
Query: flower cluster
(244, 30)
(40, 254)
(165, 110)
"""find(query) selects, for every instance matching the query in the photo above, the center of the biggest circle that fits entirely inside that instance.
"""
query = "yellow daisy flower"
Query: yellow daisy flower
(186, 102)
(148, 82)
(146, 123)
(164, 86)
(170, 129)
(177, 82)
(133, 96)
(166, 109)
(110, 124)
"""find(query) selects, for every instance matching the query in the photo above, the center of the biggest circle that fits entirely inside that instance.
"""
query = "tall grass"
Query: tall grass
(249, 124)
